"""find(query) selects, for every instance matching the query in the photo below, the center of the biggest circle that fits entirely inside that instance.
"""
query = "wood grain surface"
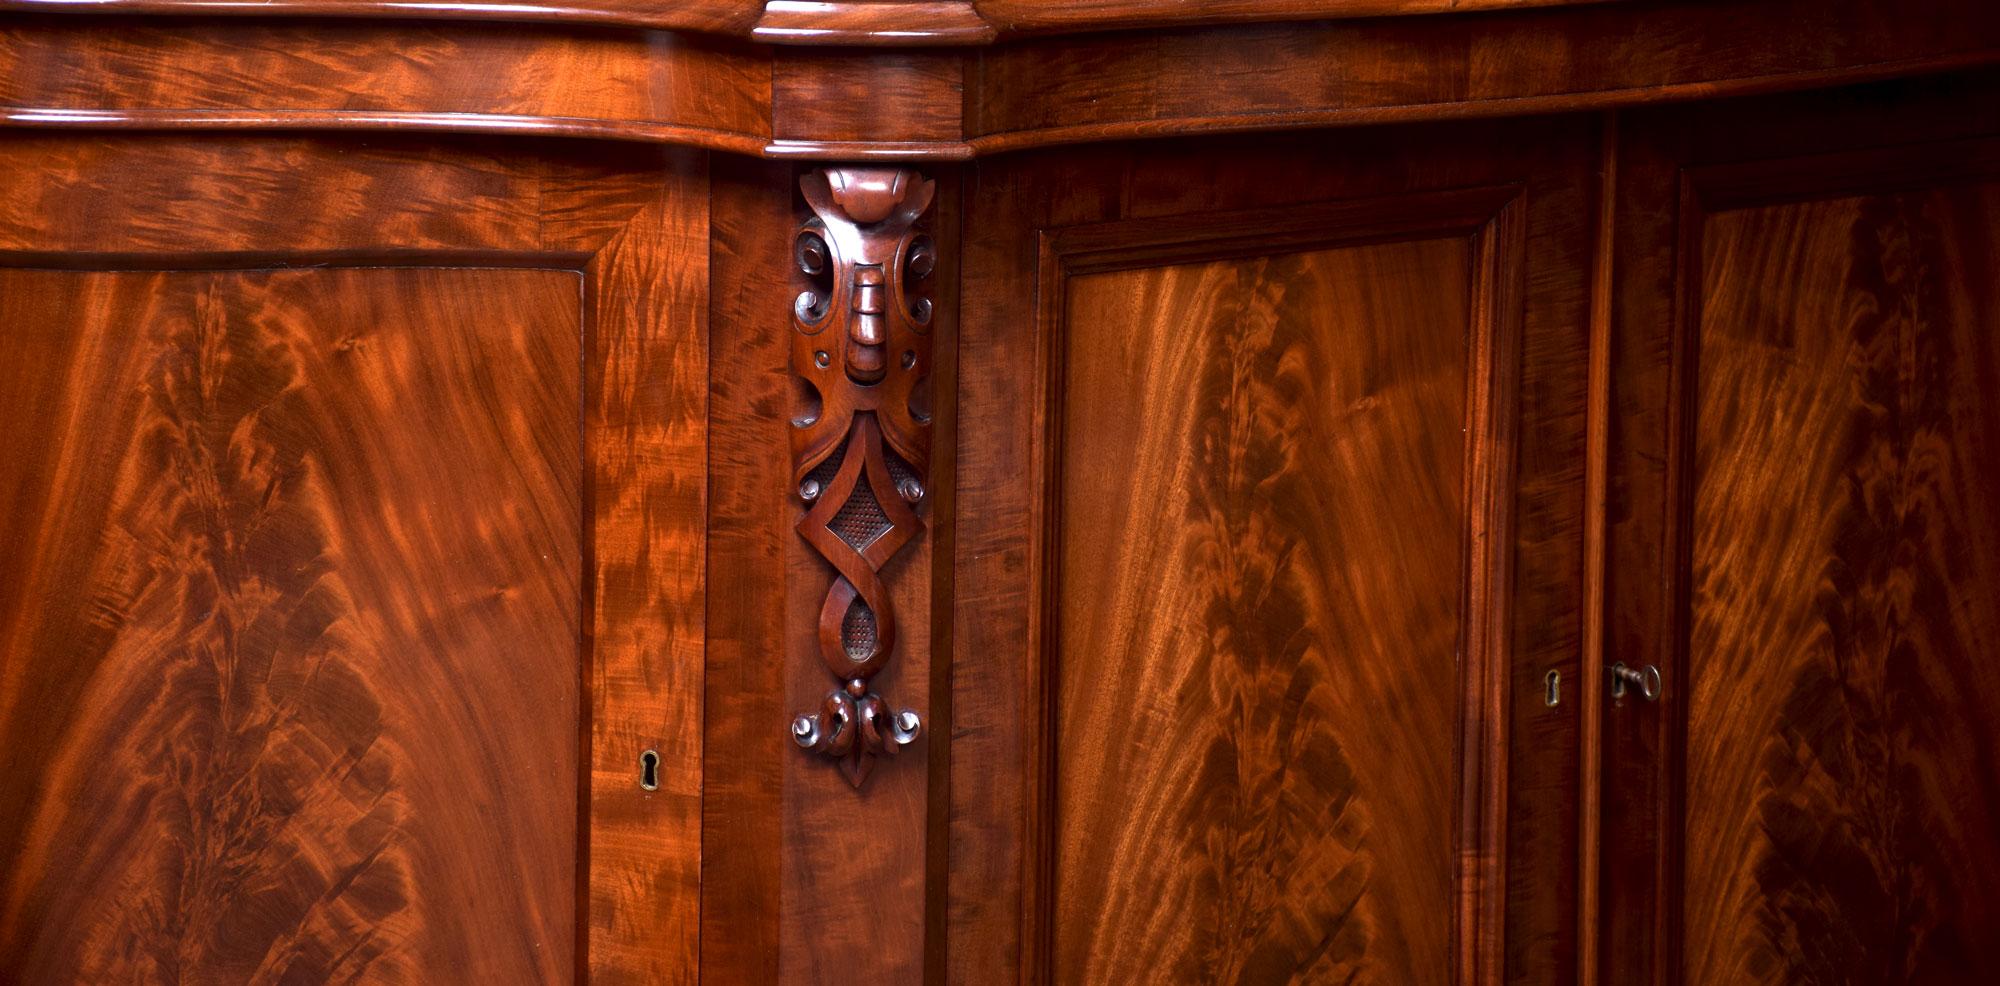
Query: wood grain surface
(805, 878)
(1347, 72)
(1196, 649)
(1843, 733)
(1040, 16)
(900, 23)
(624, 229)
(1194, 217)
(1260, 618)
(1798, 359)
(856, 891)
(719, 16)
(845, 22)
(749, 661)
(290, 626)
(327, 74)
(1210, 75)
(645, 421)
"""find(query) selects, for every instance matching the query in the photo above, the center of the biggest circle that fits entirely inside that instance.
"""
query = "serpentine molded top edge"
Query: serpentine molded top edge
(864, 23)
(944, 103)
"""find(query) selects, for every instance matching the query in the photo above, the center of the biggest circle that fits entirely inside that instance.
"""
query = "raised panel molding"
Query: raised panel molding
(1488, 223)
(261, 729)
(624, 235)
(1835, 316)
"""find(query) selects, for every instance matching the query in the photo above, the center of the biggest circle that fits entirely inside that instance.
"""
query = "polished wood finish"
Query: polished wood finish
(1246, 546)
(806, 878)
(868, 104)
(1087, 840)
(862, 448)
(1840, 610)
(890, 23)
(307, 708)
(934, 103)
(1491, 369)
(707, 16)
(1799, 541)
(154, 74)
(644, 420)
(1377, 71)
(630, 617)
(873, 22)
(1225, 598)
(756, 645)
(1086, 15)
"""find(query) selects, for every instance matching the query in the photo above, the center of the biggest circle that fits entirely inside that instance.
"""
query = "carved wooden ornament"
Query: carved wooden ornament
(861, 450)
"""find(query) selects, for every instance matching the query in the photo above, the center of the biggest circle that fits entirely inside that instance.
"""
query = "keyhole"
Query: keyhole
(1552, 688)
(649, 771)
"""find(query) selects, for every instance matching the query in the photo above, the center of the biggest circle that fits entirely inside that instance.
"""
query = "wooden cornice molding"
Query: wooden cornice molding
(864, 23)
(843, 100)
(888, 23)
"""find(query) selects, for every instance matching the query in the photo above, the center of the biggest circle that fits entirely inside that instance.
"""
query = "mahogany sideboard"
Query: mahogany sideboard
(1000, 492)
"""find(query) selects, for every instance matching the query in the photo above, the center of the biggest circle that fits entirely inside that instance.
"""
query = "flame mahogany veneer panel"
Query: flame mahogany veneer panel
(1256, 698)
(1843, 734)
(1268, 537)
(342, 600)
(291, 625)
(1801, 534)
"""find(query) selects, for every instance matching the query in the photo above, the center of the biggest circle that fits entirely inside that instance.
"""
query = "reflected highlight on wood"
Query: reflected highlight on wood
(1261, 568)
(861, 450)
(951, 97)
(289, 626)
(1843, 765)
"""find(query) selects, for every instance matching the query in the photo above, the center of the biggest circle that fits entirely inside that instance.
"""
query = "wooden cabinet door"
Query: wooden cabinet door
(1269, 532)
(349, 562)
(1805, 541)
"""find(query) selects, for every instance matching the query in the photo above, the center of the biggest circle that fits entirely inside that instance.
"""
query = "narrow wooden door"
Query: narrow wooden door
(350, 540)
(1271, 453)
(1806, 543)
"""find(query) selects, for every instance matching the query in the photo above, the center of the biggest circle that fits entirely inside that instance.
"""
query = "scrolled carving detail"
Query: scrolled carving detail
(861, 451)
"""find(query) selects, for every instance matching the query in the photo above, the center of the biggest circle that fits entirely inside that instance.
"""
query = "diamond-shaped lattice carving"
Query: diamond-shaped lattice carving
(862, 347)
(861, 519)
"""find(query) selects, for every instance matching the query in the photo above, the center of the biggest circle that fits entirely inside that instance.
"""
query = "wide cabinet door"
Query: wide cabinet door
(350, 543)
(1804, 540)
(1268, 548)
